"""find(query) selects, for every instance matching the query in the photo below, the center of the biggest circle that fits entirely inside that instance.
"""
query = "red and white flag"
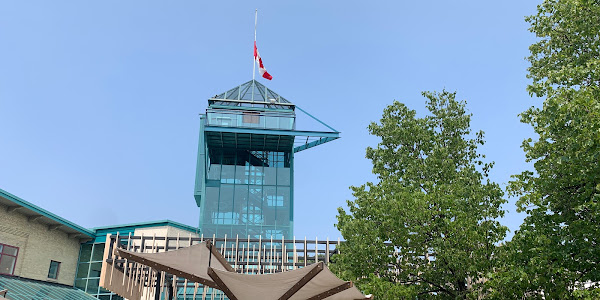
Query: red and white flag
(261, 68)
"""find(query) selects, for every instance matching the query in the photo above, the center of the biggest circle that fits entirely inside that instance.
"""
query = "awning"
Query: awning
(190, 263)
(311, 282)
(136, 275)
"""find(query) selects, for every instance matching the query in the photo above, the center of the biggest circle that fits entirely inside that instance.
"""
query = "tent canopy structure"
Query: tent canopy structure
(190, 263)
(313, 282)
(130, 274)
(138, 275)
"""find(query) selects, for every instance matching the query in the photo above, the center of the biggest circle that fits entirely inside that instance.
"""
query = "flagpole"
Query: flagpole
(253, 57)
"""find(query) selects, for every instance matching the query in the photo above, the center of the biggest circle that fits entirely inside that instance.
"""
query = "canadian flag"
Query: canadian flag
(261, 68)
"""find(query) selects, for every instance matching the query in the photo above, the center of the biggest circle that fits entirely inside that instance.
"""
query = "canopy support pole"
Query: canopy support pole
(158, 286)
(210, 253)
(303, 281)
(333, 291)
(222, 286)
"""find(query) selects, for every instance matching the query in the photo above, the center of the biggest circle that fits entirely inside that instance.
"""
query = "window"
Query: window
(87, 277)
(225, 218)
(273, 200)
(252, 215)
(274, 234)
(54, 268)
(8, 259)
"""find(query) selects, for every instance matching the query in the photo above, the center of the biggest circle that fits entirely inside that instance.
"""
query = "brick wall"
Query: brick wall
(38, 246)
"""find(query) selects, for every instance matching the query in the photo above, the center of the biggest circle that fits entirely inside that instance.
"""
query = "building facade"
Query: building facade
(244, 188)
(43, 256)
(38, 251)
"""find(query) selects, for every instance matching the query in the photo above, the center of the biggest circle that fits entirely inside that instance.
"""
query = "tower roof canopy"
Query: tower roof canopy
(255, 117)
(251, 94)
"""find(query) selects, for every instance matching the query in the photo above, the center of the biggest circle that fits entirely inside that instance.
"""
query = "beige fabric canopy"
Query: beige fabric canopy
(312, 282)
(190, 263)
(135, 275)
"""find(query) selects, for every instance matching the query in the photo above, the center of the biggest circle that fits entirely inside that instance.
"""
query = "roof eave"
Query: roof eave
(56, 222)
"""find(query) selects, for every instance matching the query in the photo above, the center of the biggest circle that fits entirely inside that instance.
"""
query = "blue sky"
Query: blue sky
(99, 101)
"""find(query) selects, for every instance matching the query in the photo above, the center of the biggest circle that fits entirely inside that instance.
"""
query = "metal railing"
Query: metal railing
(244, 254)
(250, 119)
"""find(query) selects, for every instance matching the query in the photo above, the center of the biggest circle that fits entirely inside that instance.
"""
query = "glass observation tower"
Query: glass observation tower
(245, 170)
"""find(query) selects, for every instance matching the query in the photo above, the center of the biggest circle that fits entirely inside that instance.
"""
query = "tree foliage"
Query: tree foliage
(428, 227)
(556, 252)
(567, 56)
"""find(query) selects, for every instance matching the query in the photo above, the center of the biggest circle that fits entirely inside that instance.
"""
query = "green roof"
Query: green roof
(28, 289)
(125, 229)
(35, 212)
(148, 224)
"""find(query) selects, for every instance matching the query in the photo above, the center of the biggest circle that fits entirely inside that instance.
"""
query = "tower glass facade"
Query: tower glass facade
(245, 171)
(248, 192)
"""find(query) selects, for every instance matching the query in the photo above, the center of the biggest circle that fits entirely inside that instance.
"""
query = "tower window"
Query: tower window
(225, 218)
(273, 200)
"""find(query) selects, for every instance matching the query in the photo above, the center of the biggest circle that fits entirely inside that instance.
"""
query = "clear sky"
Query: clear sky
(99, 100)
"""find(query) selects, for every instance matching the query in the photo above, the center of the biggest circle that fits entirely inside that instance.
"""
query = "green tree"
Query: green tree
(428, 227)
(556, 251)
